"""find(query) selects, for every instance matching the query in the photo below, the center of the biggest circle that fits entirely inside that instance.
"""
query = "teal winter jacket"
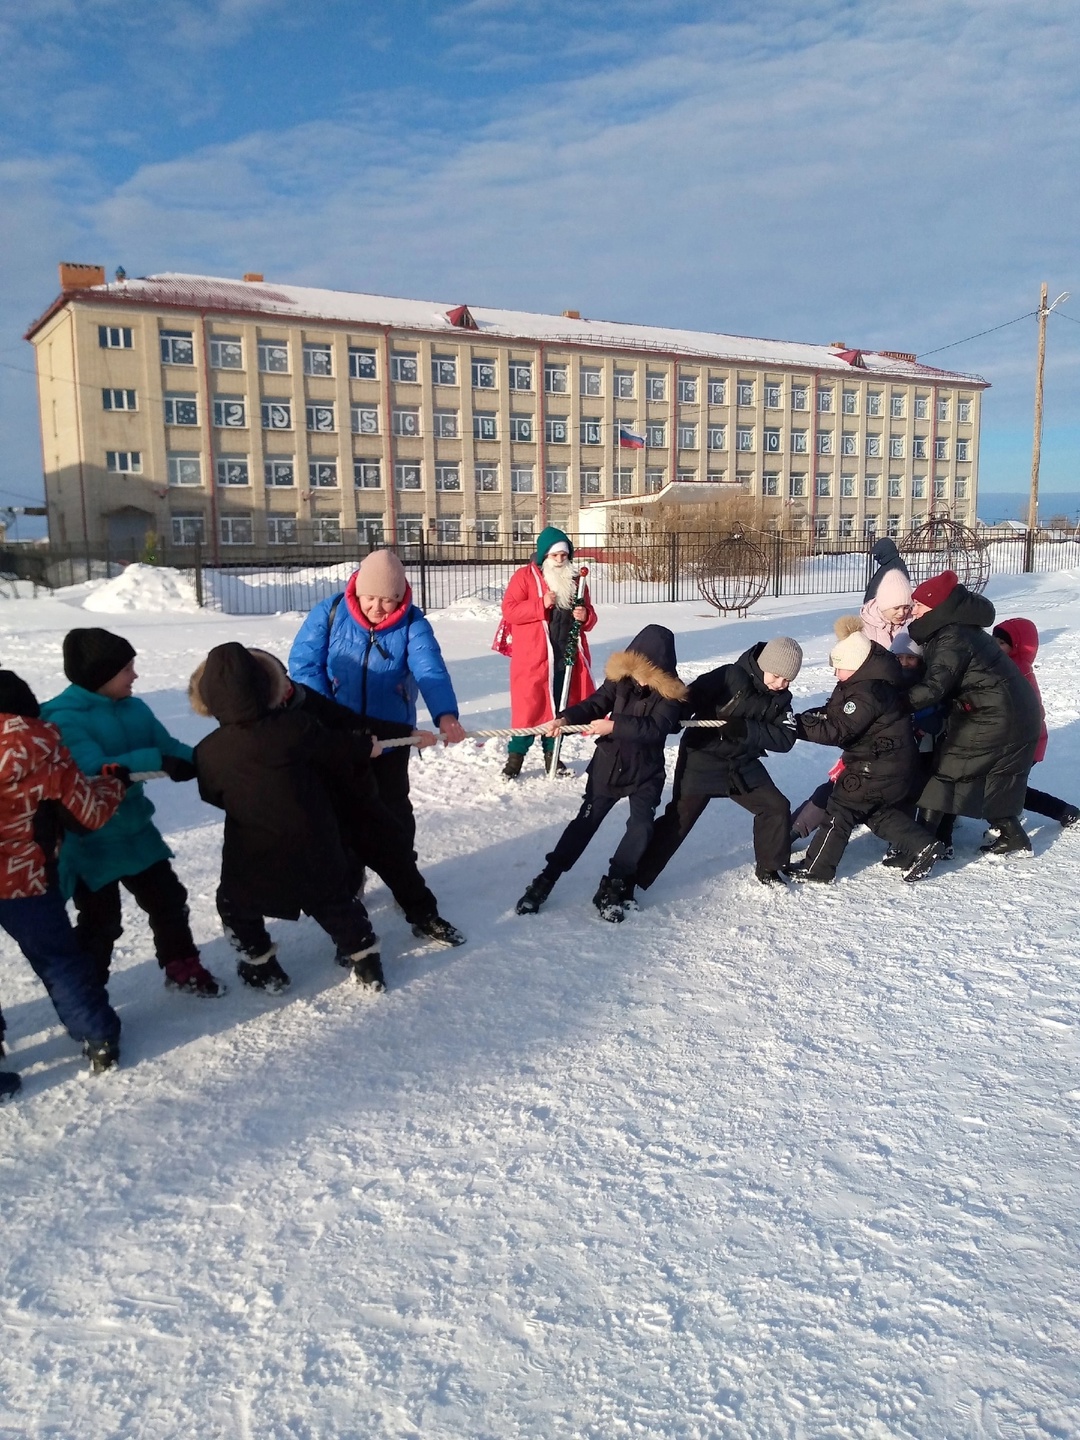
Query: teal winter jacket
(99, 731)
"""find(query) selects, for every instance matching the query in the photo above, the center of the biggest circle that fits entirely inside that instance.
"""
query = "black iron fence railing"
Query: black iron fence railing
(635, 570)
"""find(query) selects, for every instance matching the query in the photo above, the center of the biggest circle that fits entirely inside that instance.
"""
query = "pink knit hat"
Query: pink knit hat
(382, 574)
(894, 588)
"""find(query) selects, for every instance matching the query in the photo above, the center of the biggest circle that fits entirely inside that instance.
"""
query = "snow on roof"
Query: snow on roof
(300, 302)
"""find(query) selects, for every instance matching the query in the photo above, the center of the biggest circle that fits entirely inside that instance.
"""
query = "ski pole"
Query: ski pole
(569, 661)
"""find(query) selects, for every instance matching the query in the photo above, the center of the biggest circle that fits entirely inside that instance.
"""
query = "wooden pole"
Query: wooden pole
(1036, 447)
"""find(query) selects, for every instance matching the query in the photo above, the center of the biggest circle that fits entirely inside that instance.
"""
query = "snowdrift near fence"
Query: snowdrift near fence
(143, 588)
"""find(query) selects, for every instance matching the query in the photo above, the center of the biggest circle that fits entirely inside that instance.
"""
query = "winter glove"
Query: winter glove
(734, 729)
(116, 771)
(177, 768)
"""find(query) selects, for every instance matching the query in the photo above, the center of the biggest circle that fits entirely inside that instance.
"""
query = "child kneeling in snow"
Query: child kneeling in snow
(272, 772)
(43, 792)
(636, 708)
(868, 717)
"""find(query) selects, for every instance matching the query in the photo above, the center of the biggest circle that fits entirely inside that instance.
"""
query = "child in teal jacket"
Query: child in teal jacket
(103, 724)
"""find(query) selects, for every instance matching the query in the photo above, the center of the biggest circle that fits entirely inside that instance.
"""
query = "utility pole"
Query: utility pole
(1036, 447)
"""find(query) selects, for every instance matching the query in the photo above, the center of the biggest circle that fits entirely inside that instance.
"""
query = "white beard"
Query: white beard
(561, 582)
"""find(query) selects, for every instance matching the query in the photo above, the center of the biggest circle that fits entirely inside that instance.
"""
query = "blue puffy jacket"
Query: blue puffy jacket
(377, 673)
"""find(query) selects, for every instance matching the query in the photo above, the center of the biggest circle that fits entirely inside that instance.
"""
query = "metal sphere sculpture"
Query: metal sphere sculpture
(942, 543)
(733, 574)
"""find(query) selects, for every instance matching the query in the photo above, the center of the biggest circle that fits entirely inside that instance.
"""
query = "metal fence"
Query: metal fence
(622, 571)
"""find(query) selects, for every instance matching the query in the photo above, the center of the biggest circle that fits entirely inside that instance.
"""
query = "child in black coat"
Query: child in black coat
(868, 717)
(636, 708)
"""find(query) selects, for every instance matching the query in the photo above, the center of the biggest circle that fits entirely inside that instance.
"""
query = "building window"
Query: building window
(687, 389)
(849, 402)
(445, 424)
(231, 470)
(717, 392)
(281, 530)
(485, 425)
(448, 532)
(404, 367)
(484, 374)
(744, 437)
(274, 357)
(592, 430)
(487, 531)
(276, 414)
(940, 487)
(279, 474)
(962, 450)
(849, 445)
(869, 526)
(322, 474)
(960, 490)
(873, 487)
(686, 477)
(623, 481)
(715, 477)
(624, 384)
(486, 479)
(556, 480)
(873, 447)
(407, 476)
(362, 365)
(405, 422)
(847, 487)
(654, 481)
(188, 530)
(770, 440)
(115, 337)
(773, 396)
(845, 527)
(821, 528)
(918, 447)
(922, 407)
(230, 412)
(717, 437)
(326, 530)
(444, 369)
(656, 434)
(520, 375)
(369, 530)
(896, 447)
(591, 380)
(896, 407)
(590, 482)
(824, 400)
(963, 411)
(823, 486)
(941, 449)
(177, 347)
(410, 529)
(447, 477)
(320, 417)
(236, 530)
(318, 360)
(124, 462)
(892, 526)
(656, 387)
(184, 470)
(797, 487)
(557, 432)
(918, 487)
(521, 479)
(800, 397)
(873, 402)
(365, 419)
(688, 437)
(896, 487)
(556, 380)
(181, 410)
(744, 392)
(367, 474)
(824, 442)
(942, 408)
(226, 352)
(770, 483)
(744, 478)
(522, 532)
(799, 445)
(118, 400)
(521, 428)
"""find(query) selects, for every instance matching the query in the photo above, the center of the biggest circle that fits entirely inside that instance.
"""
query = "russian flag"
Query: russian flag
(629, 441)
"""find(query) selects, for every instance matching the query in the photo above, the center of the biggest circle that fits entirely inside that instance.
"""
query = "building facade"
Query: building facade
(253, 417)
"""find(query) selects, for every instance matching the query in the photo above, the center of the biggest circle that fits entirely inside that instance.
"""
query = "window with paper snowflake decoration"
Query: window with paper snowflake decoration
(733, 574)
(942, 543)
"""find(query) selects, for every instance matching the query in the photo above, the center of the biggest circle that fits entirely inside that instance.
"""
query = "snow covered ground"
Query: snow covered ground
(751, 1165)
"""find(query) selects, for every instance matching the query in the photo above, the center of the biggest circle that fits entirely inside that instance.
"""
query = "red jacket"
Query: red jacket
(35, 768)
(531, 661)
(1024, 639)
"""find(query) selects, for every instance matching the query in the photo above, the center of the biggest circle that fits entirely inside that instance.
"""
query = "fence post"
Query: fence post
(673, 566)
(778, 562)
(423, 571)
(1029, 551)
(198, 573)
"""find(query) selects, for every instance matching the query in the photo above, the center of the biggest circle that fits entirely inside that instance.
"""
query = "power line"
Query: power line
(980, 334)
(1066, 317)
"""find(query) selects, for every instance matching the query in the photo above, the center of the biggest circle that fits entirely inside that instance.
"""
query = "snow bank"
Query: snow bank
(145, 588)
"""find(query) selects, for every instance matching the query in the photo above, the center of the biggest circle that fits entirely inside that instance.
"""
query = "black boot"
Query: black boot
(436, 928)
(612, 898)
(102, 1054)
(537, 892)
(262, 972)
(561, 770)
(367, 968)
(512, 768)
(1011, 838)
(10, 1084)
(920, 866)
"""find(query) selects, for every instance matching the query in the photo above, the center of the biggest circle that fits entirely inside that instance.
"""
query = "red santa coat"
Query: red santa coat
(532, 663)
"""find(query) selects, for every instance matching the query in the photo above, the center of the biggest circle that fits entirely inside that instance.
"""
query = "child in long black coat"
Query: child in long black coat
(868, 717)
(634, 711)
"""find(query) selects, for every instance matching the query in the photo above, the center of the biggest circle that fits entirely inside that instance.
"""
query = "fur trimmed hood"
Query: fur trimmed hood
(632, 665)
(280, 684)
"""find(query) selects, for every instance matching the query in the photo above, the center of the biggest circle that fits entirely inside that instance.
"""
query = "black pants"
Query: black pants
(772, 829)
(344, 919)
(1039, 803)
(155, 890)
(594, 808)
(888, 821)
(390, 771)
(377, 838)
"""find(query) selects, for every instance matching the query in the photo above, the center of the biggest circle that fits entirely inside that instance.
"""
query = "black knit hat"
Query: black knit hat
(92, 657)
(16, 697)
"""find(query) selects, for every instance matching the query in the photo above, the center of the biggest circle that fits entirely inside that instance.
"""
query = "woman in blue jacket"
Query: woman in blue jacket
(372, 650)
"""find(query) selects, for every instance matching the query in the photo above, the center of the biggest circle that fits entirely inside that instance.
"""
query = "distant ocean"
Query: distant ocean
(994, 507)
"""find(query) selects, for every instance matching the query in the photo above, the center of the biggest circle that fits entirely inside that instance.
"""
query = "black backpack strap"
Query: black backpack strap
(332, 612)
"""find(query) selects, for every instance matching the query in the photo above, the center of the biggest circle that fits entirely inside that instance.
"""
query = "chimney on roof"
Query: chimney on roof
(78, 277)
(253, 277)
(837, 345)
(900, 355)
(571, 314)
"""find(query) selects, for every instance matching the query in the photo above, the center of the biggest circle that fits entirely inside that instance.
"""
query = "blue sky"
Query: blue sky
(891, 173)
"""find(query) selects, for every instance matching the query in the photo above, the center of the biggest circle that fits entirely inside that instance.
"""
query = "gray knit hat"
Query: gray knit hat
(782, 656)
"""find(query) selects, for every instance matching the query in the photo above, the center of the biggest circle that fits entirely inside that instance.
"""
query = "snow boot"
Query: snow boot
(10, 1084)
(512, 769)
(537, 892)
(612, 898)
(895, 859)
(770, 877)
(264, 973)
(1069, 816)
(190, 976)
(920, 866)
(561, 770)
(367, 968)
(436, 928)
(102, 1054)
(1011, 838)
